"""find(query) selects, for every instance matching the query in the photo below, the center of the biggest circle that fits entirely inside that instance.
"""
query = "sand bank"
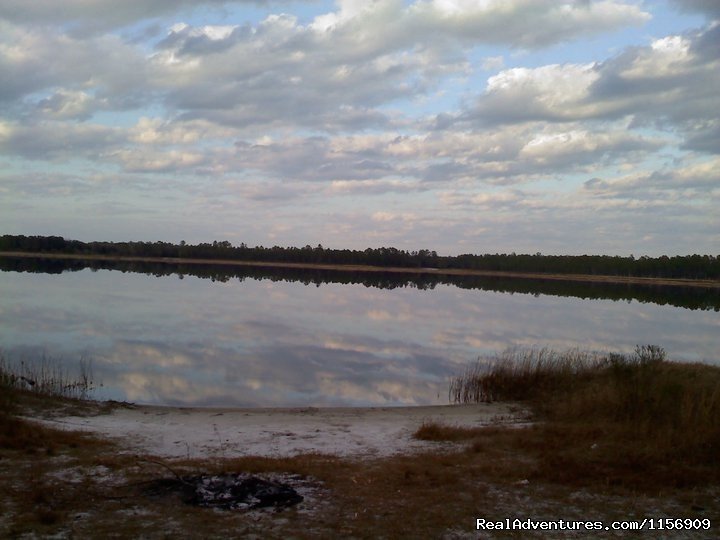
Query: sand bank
(350, 432)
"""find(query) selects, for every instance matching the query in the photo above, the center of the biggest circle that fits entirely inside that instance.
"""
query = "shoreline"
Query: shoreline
(188, 432)
(666, 282)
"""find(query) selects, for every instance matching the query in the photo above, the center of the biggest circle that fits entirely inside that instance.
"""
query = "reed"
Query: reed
(30, 386)
(521, 374)
(46, 375)
(627, 417)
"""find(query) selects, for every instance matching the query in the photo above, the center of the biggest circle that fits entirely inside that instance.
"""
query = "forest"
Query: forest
(674, 267)
(694, 298)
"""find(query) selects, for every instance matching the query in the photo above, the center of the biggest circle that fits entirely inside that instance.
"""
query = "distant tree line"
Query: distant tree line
(685, 266)
(694, 298)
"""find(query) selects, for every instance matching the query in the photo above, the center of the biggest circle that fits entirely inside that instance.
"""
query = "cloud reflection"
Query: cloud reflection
(250, 343)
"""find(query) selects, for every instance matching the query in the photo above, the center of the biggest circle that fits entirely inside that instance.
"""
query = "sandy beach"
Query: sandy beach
(358, 470)
(348, 432)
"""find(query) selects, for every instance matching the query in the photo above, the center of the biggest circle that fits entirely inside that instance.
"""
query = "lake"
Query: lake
(266, 338)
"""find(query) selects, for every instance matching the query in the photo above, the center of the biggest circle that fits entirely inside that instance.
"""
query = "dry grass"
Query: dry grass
(52, 389)
(434, 431)
(34, 501)
(522, 374)
(637, 421)
(409, 496)
(20, 434)
(47, 376)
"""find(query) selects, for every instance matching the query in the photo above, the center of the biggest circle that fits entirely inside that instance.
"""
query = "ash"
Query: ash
(236, 491)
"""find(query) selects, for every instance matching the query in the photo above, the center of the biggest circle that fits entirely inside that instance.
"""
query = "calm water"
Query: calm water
(258, 342)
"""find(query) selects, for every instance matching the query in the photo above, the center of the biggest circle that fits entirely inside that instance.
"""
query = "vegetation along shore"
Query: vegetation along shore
(690, 270)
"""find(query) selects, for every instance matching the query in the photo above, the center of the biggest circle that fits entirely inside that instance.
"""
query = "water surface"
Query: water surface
(269, 340)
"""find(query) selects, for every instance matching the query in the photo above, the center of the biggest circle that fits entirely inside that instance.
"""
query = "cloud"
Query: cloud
(388, 216)
(287, 76)
(556, 150)
(378, 164)
(519, 23)
(268, 191)
(373, 187)
(333, 72)
(52, 184)
(158, 131)
(313, 159)
(97, 15)
(532, 23)
(58, 140)
(493, 63)
(550, 93)
(520, 153)
(704, 136)
(711, 8)
(372, 123)
(595, 184)
(66, 104)
(147, 161)
(497, 201)
(667, 85)
(694, 181)
(103, 71)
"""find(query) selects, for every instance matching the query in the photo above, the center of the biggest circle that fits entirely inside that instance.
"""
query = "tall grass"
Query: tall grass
(520, 374)
(29, 385)
(636, 411)
(46, 375)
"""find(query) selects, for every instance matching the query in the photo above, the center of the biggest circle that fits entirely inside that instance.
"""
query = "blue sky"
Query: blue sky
(453, 125)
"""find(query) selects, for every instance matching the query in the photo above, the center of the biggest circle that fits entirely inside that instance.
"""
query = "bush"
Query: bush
(640, 407)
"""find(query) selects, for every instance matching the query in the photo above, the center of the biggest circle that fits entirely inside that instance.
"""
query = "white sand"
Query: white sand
(355, 432)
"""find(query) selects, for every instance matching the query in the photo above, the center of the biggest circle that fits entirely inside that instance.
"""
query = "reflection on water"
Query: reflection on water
(687, 297)
(266, 340)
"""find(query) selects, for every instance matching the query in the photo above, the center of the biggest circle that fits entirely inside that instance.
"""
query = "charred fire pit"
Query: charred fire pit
(235, 491)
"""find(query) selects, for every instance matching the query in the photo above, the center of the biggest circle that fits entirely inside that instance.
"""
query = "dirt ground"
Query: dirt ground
(103, 470)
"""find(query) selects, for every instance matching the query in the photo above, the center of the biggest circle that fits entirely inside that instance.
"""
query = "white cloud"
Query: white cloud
(334, 71)
(37, 60)
(560, 148)
(519, 23)
(158, 131)
(492, 63)
(552, 92)
(147, 161)
(668, 84)
(373, 187)
(692, 181)
(395, 217)
(527, 23)
(68, 104)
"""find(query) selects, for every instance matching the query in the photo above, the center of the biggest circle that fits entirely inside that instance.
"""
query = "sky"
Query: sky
(460, 126)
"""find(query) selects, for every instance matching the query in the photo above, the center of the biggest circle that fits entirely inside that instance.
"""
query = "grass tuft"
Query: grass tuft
(36, 385)
(47, 376)
(615, 418)
(522, 374)
(435, 431)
